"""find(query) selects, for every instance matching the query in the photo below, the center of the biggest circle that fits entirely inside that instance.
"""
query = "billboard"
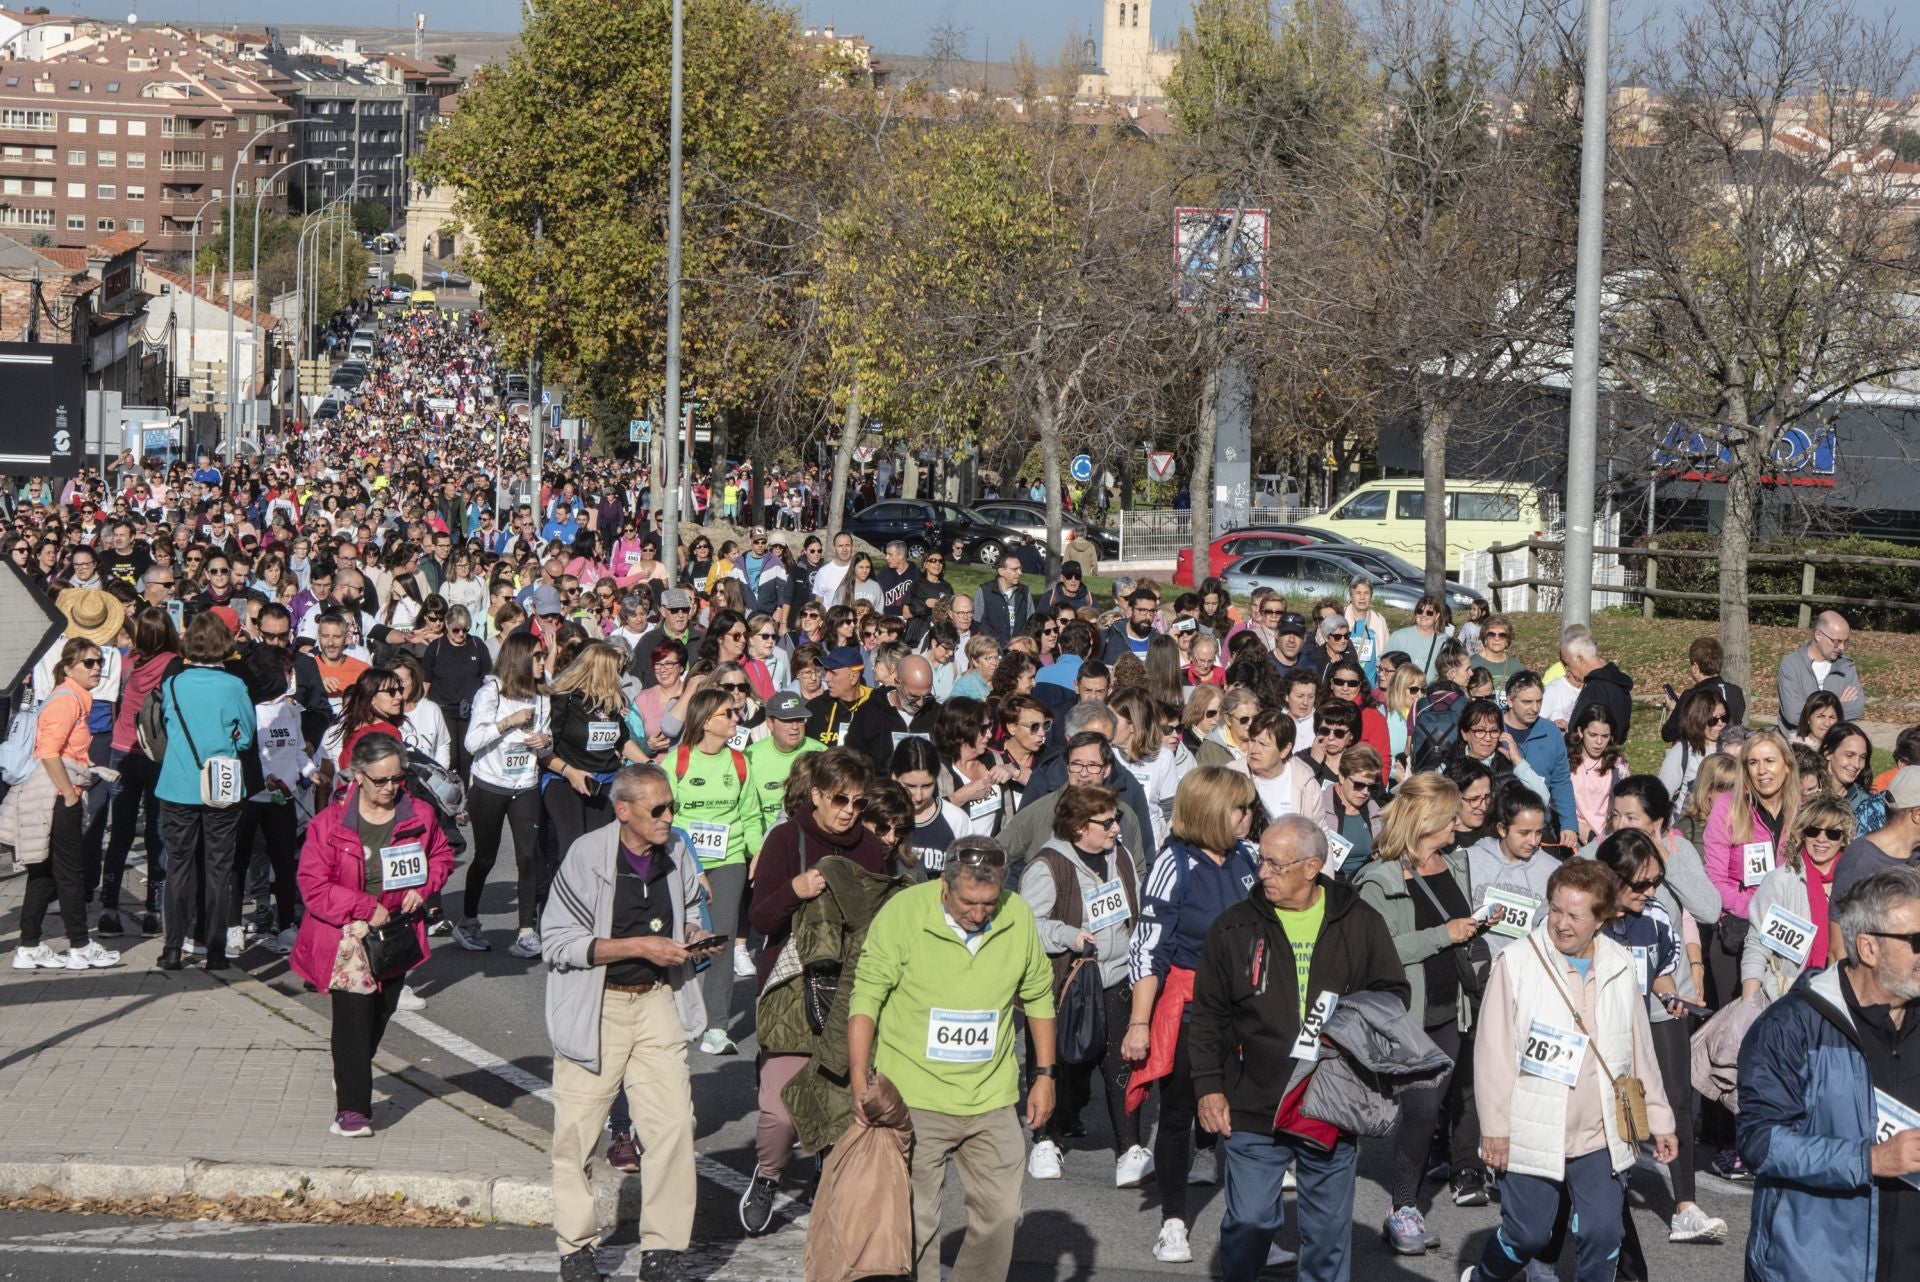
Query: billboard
(43, 387)
(1210, 244)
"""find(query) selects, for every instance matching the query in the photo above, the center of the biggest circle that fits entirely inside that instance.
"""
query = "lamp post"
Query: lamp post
(260, 196)
(670, 526)
(193, 291)
(230, 429)
(301, 279)
(1576, 596)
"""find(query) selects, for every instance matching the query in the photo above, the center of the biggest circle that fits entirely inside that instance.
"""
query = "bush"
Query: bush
(1885, 582)
(403, 279)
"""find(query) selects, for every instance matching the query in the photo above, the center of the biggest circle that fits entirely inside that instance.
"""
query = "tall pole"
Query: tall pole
(258, 198)
(193, 301)
(536, 412)
(666, 493)
(1576, 597)
(229, 428)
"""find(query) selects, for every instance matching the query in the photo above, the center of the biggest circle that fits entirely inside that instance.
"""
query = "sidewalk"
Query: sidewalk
(136, 1081)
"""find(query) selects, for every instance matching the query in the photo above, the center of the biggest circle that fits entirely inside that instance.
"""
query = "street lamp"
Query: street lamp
(260, 196)
(301, 281)
(231, 431)
(193, 290)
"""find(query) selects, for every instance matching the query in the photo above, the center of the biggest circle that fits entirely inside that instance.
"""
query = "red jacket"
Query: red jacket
(332, 875)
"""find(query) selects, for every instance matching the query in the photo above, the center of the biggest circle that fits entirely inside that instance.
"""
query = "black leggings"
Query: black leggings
(1076, 1080)
(491, 811)
(1672, 1047)
(1419, 1111)
(275, 824)
(60, 876)
(359, 1022)
(1172, 1154)
(573, 816)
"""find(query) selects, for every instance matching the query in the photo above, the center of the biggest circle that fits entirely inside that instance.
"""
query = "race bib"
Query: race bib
(1105, 905)
(1144, 775)
(987, 805)
(403, 867)
(602, 735)
(1307, 1045)
(738, 739)
(279, 738)
(901, 736)
(1890, 1117)
(1553, 1053)
(1363, 648)
(709, 839)
(1338, 848)
(1519, 911)
(633, 558)
(518, 765)
(962, 1036)
(1788, 934)
(1642, 966)
(1756, 861)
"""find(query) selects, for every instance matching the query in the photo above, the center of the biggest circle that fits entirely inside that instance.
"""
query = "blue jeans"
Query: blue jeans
(1531, 1218)
(1256, 1164)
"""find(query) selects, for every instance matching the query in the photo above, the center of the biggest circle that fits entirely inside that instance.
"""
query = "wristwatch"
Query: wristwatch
(1045, 1070)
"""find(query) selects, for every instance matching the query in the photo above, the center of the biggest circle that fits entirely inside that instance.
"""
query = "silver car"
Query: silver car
(1326, 570)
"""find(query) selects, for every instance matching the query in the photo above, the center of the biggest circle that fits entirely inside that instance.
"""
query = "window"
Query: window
(138, 128)
(219, 161)
(43, 186)
(76, 222)
(240, 186)
(136, 160)
(1369, 506)
(104, 224)
(136, 193)
(1473, 506)
(76, 191)
(107, 191)
(219, 129)
(13, 187)
(1410, 505)
(76, 156)
(27, 217)
(26, 118)
(113, 86)
(136, 224)
(106, 159)
(76, 124)
(109, 126)
(43, 155)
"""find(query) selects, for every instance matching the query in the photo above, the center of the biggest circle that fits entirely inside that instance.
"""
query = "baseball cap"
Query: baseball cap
(1291, 623)
(546, 600)
(787, 706)
(845, 656)
(227, 616)
(1903, 793)
(676, 599)
(1069, 569)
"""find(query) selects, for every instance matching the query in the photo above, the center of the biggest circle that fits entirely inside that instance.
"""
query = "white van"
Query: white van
(1391, 515)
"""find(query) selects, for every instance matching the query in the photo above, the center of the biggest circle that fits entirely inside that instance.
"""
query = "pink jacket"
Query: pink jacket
(333, 872)
(1721, 854)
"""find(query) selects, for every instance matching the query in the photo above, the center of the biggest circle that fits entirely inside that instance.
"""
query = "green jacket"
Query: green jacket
(1386, 890)
(945, 1012)
(767, 771)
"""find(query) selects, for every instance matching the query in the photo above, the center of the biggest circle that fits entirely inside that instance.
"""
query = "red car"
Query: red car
(1233, 545)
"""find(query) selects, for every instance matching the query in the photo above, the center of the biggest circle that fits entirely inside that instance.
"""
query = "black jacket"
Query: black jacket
(1000, 615)
(641, 664)
(1732, 695)
(1246, 995)
(1113, 642)
(1612, 689)
(876, 722)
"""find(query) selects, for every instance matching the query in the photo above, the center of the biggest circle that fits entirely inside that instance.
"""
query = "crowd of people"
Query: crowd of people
(1243, 862)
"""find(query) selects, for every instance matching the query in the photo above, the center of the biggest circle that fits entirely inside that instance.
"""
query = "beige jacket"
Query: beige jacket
(26, 816)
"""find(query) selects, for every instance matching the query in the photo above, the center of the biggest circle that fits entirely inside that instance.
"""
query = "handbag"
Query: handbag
(1629, 1092)
(222, 780)
(1473, 959)
(820, 983)
(1080, 1018)
(393, 947)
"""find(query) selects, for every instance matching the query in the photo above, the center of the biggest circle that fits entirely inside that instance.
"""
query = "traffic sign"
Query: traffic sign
(22, 642)
(863, 454)
(1160, 466)
(1081, 469)
(556, 416)
(546, 396)
(639, 431)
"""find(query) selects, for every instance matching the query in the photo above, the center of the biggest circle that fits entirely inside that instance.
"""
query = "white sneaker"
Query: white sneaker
(1043, 1162)
(282, 943)
(410, 1000)
(743, 967)
(236, 940)
(1287, 1183)
(1205, 1170)
(1133, 1169)
(1278, 1257)
(39, 957)
(93, 956)
(1171, 1246)
(1695, 1225)
(716, 1042)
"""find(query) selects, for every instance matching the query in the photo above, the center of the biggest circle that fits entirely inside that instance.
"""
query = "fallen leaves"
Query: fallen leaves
(289, 1206)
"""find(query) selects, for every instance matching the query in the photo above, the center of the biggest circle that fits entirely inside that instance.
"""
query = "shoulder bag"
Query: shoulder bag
(1473, 959)
(222, 783)
(1629, 1092)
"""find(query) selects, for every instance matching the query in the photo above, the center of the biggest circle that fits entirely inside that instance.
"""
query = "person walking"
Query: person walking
(709, 781)
(508, 730)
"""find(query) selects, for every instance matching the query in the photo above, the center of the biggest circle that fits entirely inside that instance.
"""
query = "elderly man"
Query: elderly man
(932, 1009)
(1829, 1119)
(1249, 1008)
(1601, 682)
(619, 934)
(905, 711)
(1820, 664)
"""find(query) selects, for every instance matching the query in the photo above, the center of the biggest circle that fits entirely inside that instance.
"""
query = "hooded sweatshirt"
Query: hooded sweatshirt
(1612, 689)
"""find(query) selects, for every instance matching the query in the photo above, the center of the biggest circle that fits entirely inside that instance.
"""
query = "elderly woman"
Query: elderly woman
(1418, 883)
(373, 855)
(1284, 786)
(1562, 1020)
(1085, 903)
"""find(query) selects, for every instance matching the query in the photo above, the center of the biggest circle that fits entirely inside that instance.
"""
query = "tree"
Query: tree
(370, 218)
(446, 61)
(1765, 250)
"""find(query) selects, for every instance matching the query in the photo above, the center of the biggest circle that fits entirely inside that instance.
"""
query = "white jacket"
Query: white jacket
(490, 748)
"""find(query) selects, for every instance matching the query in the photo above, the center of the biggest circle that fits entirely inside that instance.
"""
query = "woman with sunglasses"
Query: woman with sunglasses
(697, 564)
(1201, 717)
(1045, 634)
(823, 821)
(1645, 927)
(971, 776)
(930, 587)
(725, 640)
(508, 732)
(888, 816)
(1405, 695)
(1421, 639)
(373, 855)
(1346, 680)
(765, 662)
(1849, 757)
(1496, 650)
(1795, 895)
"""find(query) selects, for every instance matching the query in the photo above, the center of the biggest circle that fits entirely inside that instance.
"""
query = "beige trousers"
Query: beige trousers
(991, 1154)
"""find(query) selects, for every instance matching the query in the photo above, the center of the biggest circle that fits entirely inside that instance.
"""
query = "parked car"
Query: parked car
(1391, 515)
(964, 534)
(1246, 541)
(1304, 573)
(1031, 520)
(397, 294)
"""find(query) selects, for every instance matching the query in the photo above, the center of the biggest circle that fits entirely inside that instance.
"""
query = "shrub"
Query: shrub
(1884, 582)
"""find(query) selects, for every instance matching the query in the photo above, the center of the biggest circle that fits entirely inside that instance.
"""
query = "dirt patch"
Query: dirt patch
(294, 1206)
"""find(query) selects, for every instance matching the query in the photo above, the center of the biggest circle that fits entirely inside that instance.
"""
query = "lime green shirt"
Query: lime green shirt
(1303, 931)
(767, 772)
(711, 795)
(944, 1012)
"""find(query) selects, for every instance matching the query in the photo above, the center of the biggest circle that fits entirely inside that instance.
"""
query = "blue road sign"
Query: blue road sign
(1081, 469)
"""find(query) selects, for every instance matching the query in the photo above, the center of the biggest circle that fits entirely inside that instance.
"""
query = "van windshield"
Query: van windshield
(1369, 505)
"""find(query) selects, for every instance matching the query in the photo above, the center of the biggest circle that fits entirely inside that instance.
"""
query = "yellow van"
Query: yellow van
(1391, 515)
(423, 300)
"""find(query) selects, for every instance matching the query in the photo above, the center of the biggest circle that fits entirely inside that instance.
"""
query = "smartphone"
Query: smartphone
(711, 944)
(1692, 1008)
(1671, 694)
(594, 787)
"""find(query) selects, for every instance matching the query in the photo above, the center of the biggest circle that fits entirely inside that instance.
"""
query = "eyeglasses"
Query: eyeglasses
(94, 662)
(1338, 636)
(1426, 609)
(383, 781)
(664, 808)
(890, 830)
(1271, 614)
(1416, 689)
(841, 801)
(1034, 727)
(218, 569)
(1911, 941)
(275, 637)
(1244, 719)
(1269, 866)
(732, 687)
(1831, 834)
(1720, 720)
(1331, 732)
(1050, 630)
(1344, 683)
(1109, 822)
(1085, 767)
(1496, 636)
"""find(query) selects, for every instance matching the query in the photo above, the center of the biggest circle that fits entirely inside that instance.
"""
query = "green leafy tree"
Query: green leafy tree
(370, 218)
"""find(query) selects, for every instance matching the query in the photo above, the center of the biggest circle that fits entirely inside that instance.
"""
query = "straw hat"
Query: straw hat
(92, 613)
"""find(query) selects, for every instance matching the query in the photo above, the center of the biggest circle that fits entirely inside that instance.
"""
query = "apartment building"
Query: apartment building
(133, 132)
(361, 120)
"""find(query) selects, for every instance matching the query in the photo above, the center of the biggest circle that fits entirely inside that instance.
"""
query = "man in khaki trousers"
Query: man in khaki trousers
(618, 935)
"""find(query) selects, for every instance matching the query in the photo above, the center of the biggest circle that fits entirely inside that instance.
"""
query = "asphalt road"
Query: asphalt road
(483, 1029)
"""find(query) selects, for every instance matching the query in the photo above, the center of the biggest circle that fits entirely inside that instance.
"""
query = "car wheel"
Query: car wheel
(916, 548)
(988, 553)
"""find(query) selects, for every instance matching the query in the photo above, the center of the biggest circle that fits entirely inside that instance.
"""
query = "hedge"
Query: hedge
(1891, 583)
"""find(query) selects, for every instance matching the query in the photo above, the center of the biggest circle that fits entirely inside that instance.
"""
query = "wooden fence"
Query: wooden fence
(1650, 592)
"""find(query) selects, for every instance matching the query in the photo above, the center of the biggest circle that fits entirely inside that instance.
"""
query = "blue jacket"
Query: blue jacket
(1185, 893)
(218, 713)
(1805, 1129)
(1546, 751)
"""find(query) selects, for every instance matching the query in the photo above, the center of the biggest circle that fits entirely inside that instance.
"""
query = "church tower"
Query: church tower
(1126, 49)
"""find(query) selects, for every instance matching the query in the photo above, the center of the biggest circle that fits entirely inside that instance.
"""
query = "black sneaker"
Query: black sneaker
(109, 924)
(149, 924)
(1469, 1188)
(756, 1204)
(1728, 1166)
(664, 1266)
(438, 923)
(581, 1266)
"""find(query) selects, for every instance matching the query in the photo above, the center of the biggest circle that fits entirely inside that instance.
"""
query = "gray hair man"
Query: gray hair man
(932, 1009)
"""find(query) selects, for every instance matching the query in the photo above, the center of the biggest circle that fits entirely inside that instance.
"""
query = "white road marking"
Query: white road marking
(146, 1231)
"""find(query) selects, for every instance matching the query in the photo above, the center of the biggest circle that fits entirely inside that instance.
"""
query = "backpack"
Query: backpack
(685, 756)
(150, 728)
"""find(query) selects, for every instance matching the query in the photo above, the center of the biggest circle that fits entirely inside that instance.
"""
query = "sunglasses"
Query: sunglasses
(732, 687)
(384, 781)
(90, 663)
(1831, 834)
(1416, 689)
(1497, 636)
(1427, 609)
(274, 636)
(981, 857)
(1344, 683)
(1049, 631)
(1911, 941)
(1332, 732)
(841, 801)
(664, 808)
(1646, 887)
(1109, 822)
(1033, 727)
(1338, 636)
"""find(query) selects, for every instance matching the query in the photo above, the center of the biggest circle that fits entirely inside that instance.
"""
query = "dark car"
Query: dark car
(960, 532)
(1031, 520)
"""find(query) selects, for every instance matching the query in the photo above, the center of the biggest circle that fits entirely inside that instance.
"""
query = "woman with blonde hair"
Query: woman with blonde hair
(1712, 781)
(1206, 866)
(1201, 716)
(1418, 883)
(1796, 895)
(590, 739)
(1404, 694)
(983, 661)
